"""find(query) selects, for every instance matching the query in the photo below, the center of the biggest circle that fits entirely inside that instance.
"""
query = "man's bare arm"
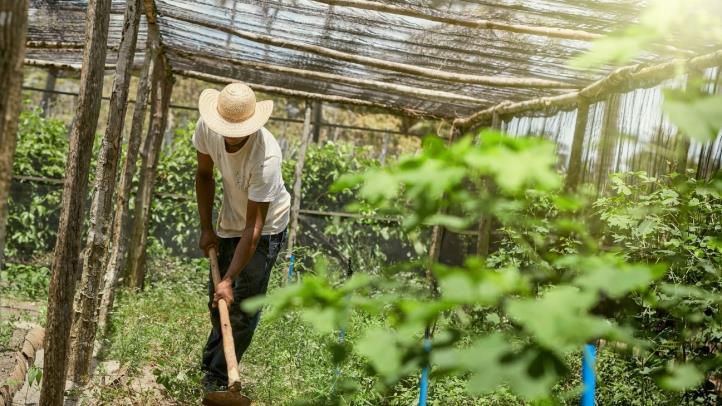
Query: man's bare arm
(205, 192)
(255, 219)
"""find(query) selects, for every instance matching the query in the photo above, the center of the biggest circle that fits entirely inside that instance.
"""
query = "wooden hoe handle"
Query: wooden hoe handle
(229, 349)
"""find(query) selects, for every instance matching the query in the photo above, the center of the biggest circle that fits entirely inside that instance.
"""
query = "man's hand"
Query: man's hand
(223, 291)
(208, 239)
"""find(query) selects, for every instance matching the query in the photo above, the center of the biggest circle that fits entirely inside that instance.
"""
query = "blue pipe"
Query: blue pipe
(290, 269)
(424, 384)
(588, 376)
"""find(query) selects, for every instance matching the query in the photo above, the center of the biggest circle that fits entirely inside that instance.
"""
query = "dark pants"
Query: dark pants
(252, 281)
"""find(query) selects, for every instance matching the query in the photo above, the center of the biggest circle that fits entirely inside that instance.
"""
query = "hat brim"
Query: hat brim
(208, 107)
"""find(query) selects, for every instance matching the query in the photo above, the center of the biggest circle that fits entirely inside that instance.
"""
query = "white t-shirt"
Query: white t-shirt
(251, 173)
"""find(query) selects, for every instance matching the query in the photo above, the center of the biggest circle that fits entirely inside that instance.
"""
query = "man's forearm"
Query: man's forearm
(244, 251)
(205, 191)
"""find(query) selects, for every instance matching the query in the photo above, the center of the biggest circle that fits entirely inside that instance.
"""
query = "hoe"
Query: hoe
(232, 396)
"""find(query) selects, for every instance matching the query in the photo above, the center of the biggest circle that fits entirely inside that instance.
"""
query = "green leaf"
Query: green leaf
(378, 345)
(699, 119)
(559, 320)
(458, 287)
(323, 320)
(681, 377)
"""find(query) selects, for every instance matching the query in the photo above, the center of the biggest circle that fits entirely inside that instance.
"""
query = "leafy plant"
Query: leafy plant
(27, 281)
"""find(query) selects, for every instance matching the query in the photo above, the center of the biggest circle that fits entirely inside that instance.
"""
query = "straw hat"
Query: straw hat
(234, 112)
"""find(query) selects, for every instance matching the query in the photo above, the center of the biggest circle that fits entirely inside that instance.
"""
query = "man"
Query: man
(252, 220)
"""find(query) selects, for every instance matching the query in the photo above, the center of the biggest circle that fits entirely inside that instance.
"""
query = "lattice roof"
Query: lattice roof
(262, 42)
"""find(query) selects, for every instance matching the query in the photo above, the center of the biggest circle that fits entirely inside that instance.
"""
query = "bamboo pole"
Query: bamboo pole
(303, 95)
(499, 81)
(66, 262)
(12, 52)
(161, 92)
(86, 305)
(117, 258)
(330, 77)
(298, 175)
(451, 19)
(621, 80)
(575, 157)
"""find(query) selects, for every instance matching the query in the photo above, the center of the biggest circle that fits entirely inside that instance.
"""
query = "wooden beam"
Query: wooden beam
(48, 98)
(76, 67)
(624, 79)
(209, 59)
(66, 260)
(117, 258)
(483, 242)
(497, 81)
(14, 15)
(303, 95)
(609, 136)
(162, 86)
(317, 121)
(451, 19)
(54, 45)
(85, 319)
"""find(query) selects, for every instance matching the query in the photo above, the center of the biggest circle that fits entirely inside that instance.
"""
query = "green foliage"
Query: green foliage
(164, 326)
(6, 332)
(34, 207)
(25, 281)
(174, 213)
(562, 278)
(34, 375)
(700, 118)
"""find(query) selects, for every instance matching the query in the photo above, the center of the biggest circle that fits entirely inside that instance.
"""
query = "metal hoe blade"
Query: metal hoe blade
(226, 398)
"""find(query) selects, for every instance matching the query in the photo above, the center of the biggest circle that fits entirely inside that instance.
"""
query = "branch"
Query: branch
(619, 81)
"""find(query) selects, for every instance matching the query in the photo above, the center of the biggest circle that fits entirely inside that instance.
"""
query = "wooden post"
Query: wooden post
(384, 149)
(317, 121)
(162, 86)
(609, 138)
(297, 183)
(66, 263)
(86, 305)
(575, 156)
(48, 95)
(117, 258)
(484, 240)
(12, 54)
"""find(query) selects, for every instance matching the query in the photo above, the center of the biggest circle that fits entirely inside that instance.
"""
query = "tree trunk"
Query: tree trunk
(161, 90)
(86, 305)
(12, 53)
(297, 183)
(66, 263)
(117, 259)
(575, 156)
